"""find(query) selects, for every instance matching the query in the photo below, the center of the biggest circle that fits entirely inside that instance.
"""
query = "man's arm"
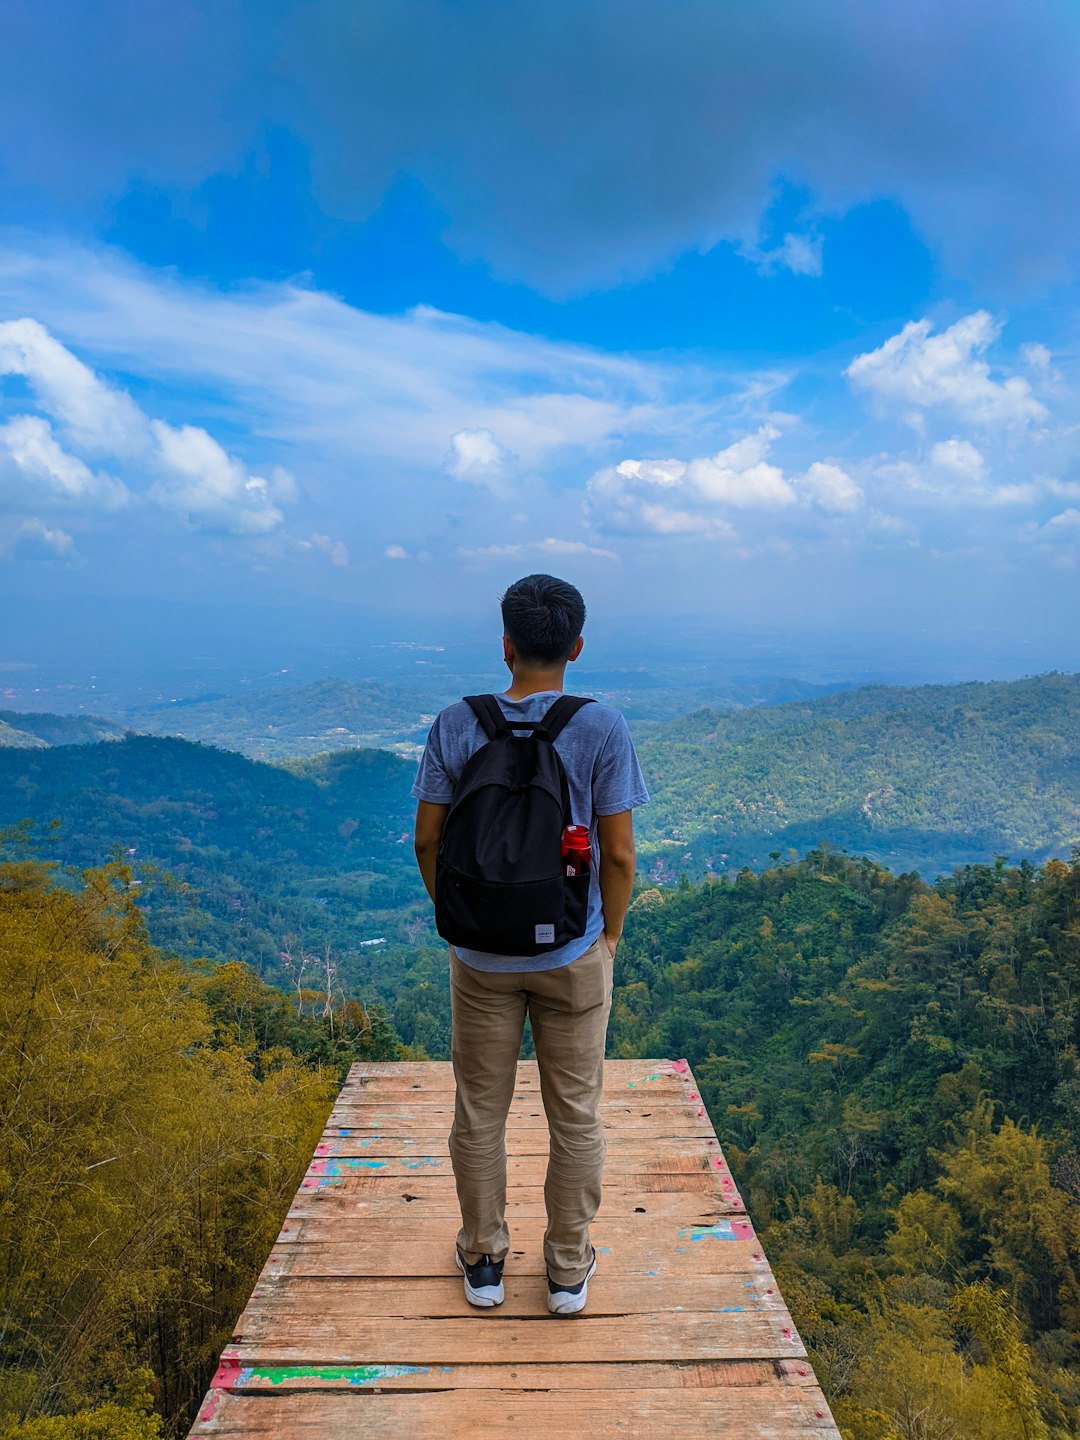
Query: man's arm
(618, 862)
(429, 825)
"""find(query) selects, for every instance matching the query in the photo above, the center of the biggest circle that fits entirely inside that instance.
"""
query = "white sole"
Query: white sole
(563, 1303)
(487, 1296)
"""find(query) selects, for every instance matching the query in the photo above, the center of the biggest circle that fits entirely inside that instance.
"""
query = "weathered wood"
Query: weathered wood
(359, 1327)
(628, 1414)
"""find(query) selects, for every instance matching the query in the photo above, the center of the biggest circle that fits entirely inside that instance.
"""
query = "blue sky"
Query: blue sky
(764, 312)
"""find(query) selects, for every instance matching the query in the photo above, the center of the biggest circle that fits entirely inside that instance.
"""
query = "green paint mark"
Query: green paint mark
(633, 1084)
(351, 1374)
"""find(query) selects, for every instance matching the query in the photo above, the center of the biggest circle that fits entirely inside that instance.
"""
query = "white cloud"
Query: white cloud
(210, 487)
(34, 535)
(477, 458)
(676, 497)
(195, 476)
(94, 416)
(336, 550)
(396, 552)
(831, 488)
(36, 470)
(955, 473)
(916, 371)
(548, 546)
(801, 254)
(1037, 356)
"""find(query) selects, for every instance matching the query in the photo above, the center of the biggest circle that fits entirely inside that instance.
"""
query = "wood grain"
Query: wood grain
(359, 1327)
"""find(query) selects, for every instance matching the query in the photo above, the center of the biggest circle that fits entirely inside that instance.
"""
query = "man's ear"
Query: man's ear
(509, 653)
(576, 651)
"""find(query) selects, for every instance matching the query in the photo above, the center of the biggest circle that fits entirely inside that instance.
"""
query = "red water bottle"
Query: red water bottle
(576, 850)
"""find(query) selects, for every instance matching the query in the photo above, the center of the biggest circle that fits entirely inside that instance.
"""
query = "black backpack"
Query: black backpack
(500, 884)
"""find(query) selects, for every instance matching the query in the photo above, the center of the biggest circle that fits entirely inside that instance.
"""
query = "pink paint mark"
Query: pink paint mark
(768, 1290)
(309, 1184)
(718, 1162)
(743, 1230)
(209, 1409)
(701, 1110)
(820, 1414)
(802, 1371)
(323, 1149)
(693, 1095)
(682, 1066)
(226, 1373)
(786, 1331)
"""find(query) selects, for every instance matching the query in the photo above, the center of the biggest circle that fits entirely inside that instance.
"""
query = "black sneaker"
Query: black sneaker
(569, 1299)
(483, 1281)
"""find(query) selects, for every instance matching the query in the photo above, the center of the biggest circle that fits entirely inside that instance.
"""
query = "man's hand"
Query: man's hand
(429, 825)
(618, 862)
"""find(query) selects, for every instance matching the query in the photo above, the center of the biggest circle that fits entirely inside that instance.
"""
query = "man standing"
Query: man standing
(566, 991)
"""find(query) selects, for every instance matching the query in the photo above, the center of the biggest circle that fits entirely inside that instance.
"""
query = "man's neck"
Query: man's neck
(534, 682)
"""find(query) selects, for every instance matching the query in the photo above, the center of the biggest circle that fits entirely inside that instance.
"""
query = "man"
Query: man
(566, 992)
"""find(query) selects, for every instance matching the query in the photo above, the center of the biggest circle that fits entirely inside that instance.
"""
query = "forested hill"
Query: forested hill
(263, 856)
(892, 1069)
(922, 778)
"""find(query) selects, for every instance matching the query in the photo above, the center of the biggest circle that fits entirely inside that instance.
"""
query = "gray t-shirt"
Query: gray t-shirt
(602, 774)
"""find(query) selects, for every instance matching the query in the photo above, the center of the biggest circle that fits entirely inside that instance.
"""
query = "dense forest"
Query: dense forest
(893, 1069)
(156, 1120)
(894, 1072)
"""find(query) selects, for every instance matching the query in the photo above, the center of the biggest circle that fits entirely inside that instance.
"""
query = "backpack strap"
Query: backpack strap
(561, 713)
(487, 710)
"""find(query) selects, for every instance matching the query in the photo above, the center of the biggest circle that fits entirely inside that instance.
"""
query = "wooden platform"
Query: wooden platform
(358, 1325)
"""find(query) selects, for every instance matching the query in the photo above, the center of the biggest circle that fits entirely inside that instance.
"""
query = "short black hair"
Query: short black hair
(543, 617)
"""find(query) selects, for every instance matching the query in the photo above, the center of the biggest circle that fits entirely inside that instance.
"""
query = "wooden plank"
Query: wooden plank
(437, 1296)
(613, 1375)
(435, 1195)
(358, 1325)
(315, 1339)
(631, 1414)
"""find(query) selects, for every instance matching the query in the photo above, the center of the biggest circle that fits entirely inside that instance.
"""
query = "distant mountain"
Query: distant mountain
(288, 720)
(30, 731)
(925, 778)
(282, 721)
(19, 739)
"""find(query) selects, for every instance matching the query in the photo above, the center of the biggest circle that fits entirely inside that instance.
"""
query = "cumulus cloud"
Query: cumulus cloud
(916, 371)
(94, 415)
(955, 473)
(676, 497)
(35, 470)
(194, 475)
(208, 486)
(396, 552)
(477, 458)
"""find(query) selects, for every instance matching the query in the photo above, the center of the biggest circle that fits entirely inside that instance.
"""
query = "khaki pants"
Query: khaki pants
(568, 1008)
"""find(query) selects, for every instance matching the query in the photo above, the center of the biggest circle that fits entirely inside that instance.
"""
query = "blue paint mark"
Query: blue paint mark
(680, 1249)
(346, 1131)
(722, 1230)
(650, 1272)
(604, 1250)
(419, 1164)
(726, 1309)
